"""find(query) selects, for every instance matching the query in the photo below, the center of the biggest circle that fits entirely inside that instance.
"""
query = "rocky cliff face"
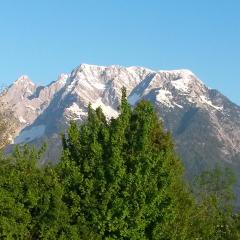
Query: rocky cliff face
(204, 123)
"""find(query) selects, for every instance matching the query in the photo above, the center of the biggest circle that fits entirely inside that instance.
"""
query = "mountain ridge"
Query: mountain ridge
(203, 122)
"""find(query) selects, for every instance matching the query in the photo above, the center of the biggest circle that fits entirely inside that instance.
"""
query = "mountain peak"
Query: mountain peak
(24, 79)
(62, 78)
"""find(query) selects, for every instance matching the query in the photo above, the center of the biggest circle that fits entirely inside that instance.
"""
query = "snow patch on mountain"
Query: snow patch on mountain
(181, 85)
(22, 120)
(209, 103)
(74, 112)
(165, 97)
(62, 79)
(107, 110)
(99, 86)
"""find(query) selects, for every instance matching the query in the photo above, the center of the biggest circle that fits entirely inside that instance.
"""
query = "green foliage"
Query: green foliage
(214, 192)
(31, 205)
(123, 180)
(217, 183)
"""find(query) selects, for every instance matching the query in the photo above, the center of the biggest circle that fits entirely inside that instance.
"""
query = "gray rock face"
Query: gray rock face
(204, 123)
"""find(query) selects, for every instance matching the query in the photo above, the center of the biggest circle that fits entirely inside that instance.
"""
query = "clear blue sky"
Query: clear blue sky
(47, 37)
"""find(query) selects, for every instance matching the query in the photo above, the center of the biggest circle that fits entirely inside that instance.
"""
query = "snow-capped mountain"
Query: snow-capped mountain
(204, 123)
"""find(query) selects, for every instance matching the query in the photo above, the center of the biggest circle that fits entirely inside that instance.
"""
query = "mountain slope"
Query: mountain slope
(204, 123)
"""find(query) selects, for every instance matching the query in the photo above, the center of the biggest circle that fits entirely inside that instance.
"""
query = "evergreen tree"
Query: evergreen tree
(215, 213)
(120, 177)
(31, 205)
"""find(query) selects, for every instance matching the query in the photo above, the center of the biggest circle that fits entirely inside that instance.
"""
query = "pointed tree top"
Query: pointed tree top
(124, 93)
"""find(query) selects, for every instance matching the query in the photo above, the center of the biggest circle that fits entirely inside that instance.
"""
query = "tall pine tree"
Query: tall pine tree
(122, 177)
